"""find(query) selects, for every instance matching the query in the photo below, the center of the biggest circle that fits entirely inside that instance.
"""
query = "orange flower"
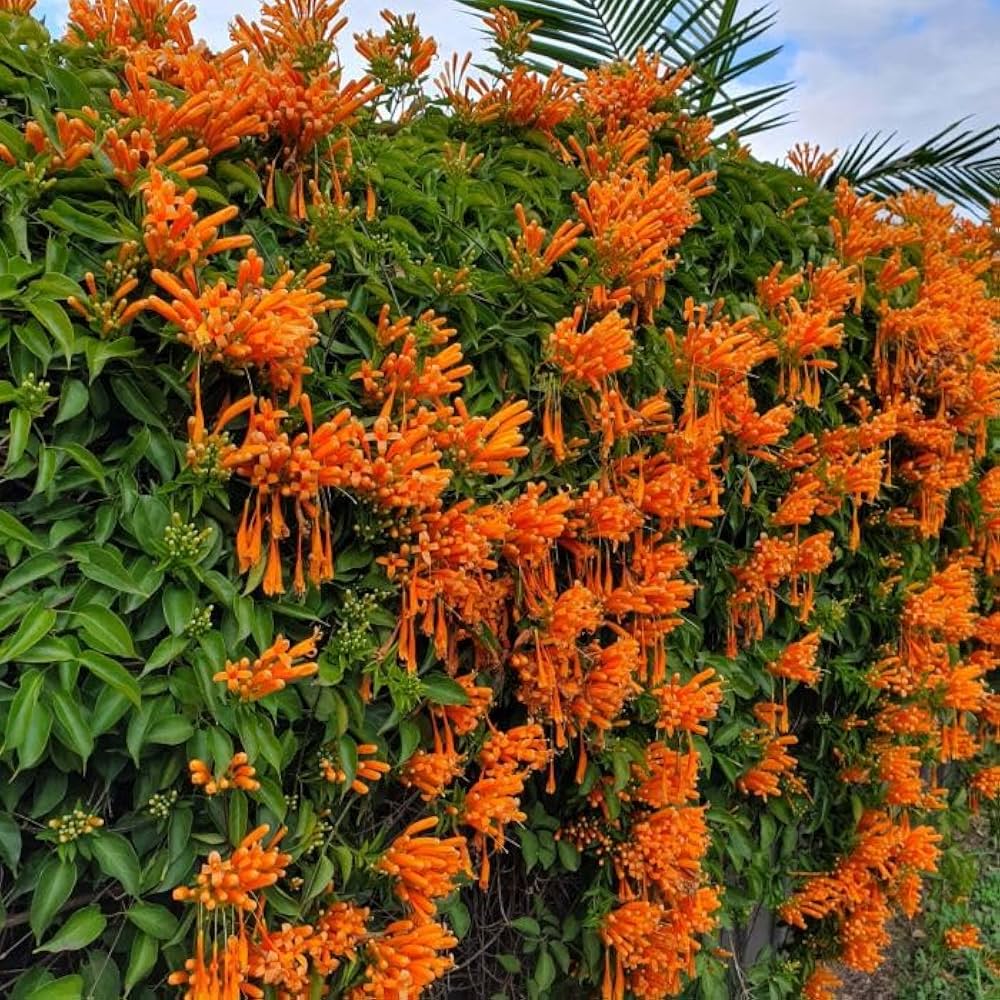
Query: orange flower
(222, 975)
(400, 56)
(174, 236)
(633, 93)
(338, 931)
(811, 162)
(506, 759)
(238, 774)
(119, 23)
(963, 936)
(280, 958)
(272, 670)
(17, 6)
(234, 880)
(635, 222)
(366, 771)
(687, 707)
(798, 661)
(424, 868)
(589, 357)
(529, 260)
(431, 772)
(75, 140)
(776, 763)
(821, 985)
(668, 778)
(405, 959)
(269, 326)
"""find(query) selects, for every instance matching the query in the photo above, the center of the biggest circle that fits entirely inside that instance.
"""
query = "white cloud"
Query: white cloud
(910, 66)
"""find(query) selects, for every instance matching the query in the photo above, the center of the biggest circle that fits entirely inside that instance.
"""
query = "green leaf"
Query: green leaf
(142, 957)
(35, 625)
(105, 631)
(169, 731)
(152, 919)
(63, 215)
(12, 530)
(112, 674)
(73, 400)
(35, 744)
(19, 422)
(178, 607)
(70, 717)
(166, 651)
(53, 887)
(67, 988)
(116, 857)
(82, 928)
(39, 565)
(87, 461)
(545, 970)
(22, 708)
(527, 926)
(442, 690)
(10, 842)
(54, 318)
(105, 566)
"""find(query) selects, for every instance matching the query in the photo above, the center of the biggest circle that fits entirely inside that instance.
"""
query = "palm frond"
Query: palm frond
(960, 164)
(714, 37)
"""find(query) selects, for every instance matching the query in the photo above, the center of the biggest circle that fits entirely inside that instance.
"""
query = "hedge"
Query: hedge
(486, 538)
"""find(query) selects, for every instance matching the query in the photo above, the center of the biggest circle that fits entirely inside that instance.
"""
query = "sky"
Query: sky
(909, 66)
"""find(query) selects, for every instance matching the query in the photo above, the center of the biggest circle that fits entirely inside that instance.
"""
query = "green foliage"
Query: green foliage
(121, 596)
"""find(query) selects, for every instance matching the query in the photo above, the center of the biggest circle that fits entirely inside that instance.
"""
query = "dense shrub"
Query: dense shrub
(510, 487)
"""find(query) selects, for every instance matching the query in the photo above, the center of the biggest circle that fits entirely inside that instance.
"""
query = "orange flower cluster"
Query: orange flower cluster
(885, 866)
(268, 326)
(233, 881)
(635, 222)
(424, 868)
(529, 261)
(963, 936)
(367, 772)
(404, 959)
(239, 773)
(575, 591)
(653, 944)
(279, 664)
(776, 763)
(590, 357)
(822, 984)
(798, 660)
(506, 760)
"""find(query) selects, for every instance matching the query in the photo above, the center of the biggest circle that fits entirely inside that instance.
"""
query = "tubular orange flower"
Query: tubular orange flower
(687, 707)
(763, 779)
(821, 985)
(75, 140)
(238, 774)
(268, 326)
(272, 670)
(811, 162)
(591, 356)
(963, 936)
(424, 868)
(233, 881)
(119, 23)
(368, 770)
(529, 260)
(174, 235)
(404, 959)
(431, 772)
(798, 661)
